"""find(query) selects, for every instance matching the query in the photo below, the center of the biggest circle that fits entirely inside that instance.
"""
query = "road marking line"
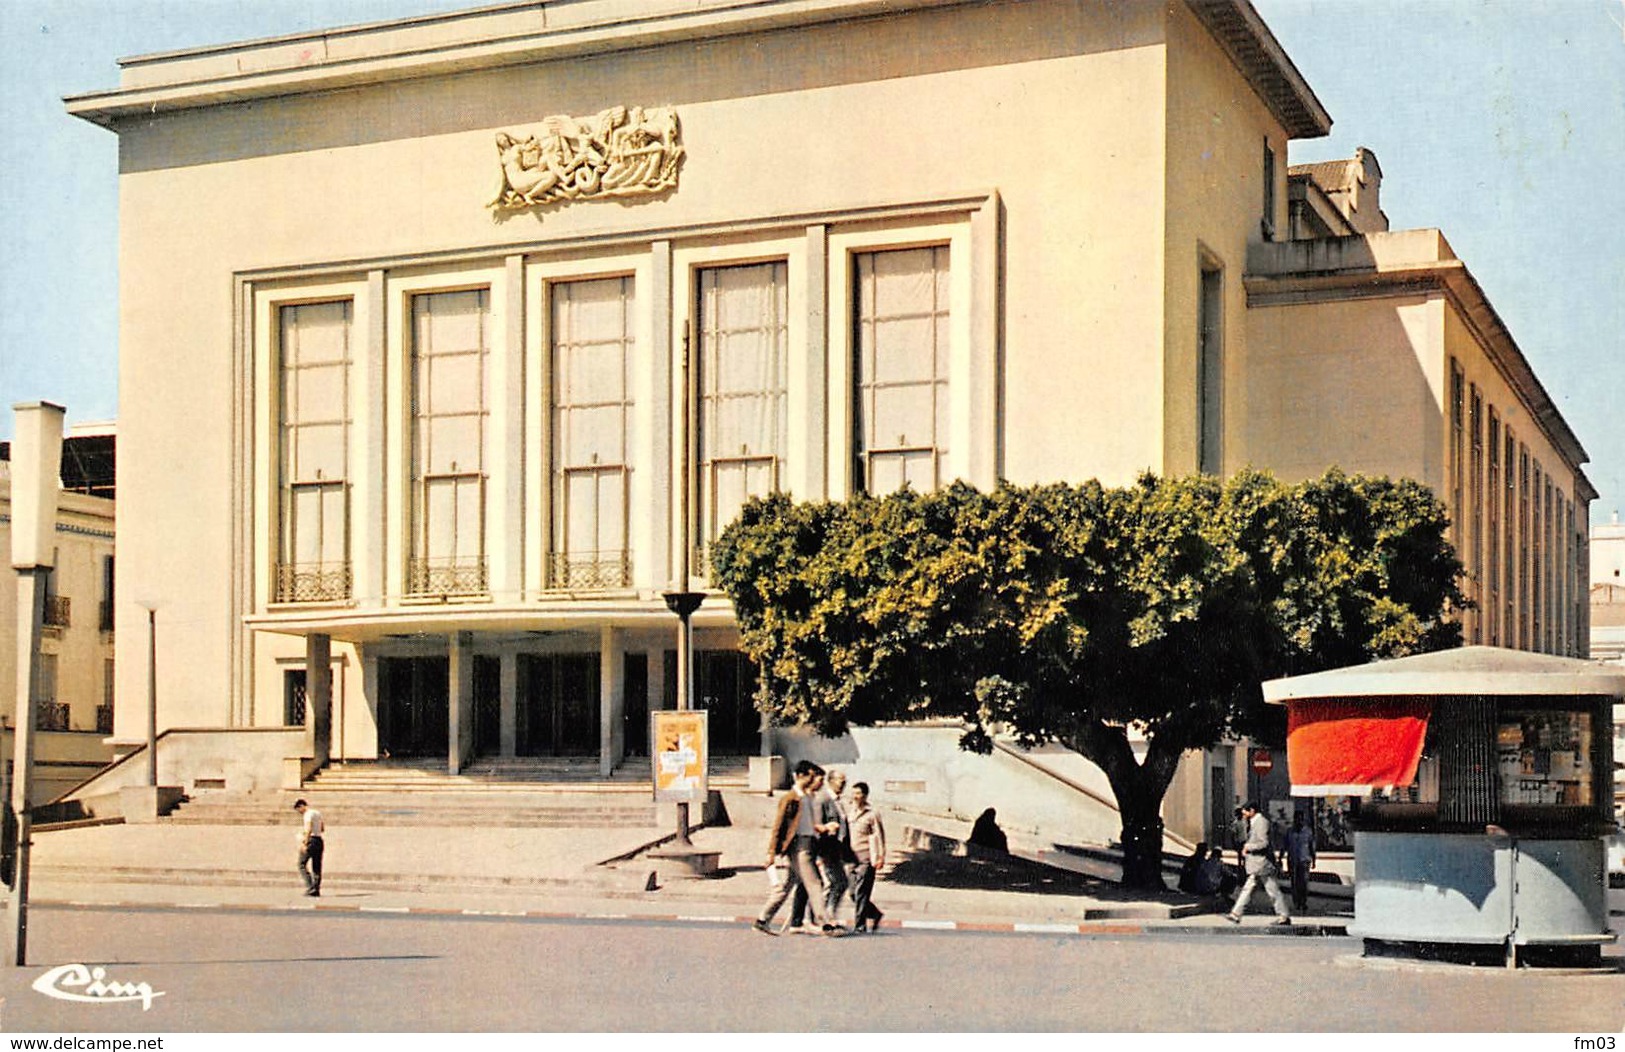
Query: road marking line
(709, 920)
(930, 925)
(384, 909)
(495, 913)
(1049, 929)
(607, 916)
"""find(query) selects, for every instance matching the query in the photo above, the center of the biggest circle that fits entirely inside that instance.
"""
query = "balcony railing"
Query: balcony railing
(587, 571)
(446, 577)
(312, 582)
(104, 719)
(57, 609)
(51, 716)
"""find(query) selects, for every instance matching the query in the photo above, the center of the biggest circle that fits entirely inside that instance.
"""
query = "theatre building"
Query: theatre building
(419, 318)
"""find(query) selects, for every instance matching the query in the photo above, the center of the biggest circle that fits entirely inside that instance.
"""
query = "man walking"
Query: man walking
(1300, 858)
(834, 853)
(869, 847)
(311, 847)
(1260, 867)
(794, 837)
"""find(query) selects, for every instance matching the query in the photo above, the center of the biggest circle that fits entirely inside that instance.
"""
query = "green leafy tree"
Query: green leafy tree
(1081, 613)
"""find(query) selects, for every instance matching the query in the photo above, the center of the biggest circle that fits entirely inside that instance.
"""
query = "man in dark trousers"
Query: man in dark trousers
(311, 846)
(1300, 858)
(834, 853)
(794, 837)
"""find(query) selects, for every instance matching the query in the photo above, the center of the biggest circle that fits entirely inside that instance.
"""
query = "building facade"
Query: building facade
(441, 314)
(76, 645)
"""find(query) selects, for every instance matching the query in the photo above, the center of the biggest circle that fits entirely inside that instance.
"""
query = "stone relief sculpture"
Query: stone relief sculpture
(618, 152)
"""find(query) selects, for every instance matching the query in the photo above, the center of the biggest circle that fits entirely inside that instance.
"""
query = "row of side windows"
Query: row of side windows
(1514, 530)
(900, 314)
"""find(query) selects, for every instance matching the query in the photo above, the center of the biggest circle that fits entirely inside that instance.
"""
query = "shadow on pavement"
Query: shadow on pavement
(935, 869)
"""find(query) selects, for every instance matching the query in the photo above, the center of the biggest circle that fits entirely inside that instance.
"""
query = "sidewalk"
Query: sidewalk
(558, 873)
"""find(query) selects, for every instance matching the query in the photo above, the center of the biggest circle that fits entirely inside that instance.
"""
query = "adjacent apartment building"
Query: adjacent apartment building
(76, 645)
(419, 318)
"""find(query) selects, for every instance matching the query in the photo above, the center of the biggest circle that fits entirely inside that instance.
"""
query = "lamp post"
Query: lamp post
(36, 459)
(151, 607)
(682, 601)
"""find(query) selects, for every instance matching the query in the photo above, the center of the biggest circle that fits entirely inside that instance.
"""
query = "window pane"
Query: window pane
(317, 453)
(581, 507)
(315, 393)
(441, 522)
(456, 383)
(597, 373)
(611, 511)
(592, 347)
(334, 525)
(470, 513)
(313, 333)
(902, 366)
(450, 321)
(305, 513)
(903, 416)
(743, 350)
(454, 444)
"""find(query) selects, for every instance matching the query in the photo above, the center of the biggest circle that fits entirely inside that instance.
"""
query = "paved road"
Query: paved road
(226, 971)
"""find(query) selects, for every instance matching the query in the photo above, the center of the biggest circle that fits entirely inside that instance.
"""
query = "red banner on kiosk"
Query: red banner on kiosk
(1336, 747)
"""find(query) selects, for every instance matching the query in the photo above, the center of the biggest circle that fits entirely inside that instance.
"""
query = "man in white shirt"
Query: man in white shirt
(310, 847)
(1259, 862)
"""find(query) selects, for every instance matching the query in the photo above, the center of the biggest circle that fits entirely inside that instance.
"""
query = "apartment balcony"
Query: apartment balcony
(51, 716)
(312, 582)
(590, 571)
(446, 577)
(57, 610)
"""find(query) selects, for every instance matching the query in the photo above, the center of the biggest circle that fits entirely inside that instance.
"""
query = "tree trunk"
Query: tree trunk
(1139, 789)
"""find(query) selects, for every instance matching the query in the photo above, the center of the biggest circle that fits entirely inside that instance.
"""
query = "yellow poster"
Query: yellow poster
(680, 754)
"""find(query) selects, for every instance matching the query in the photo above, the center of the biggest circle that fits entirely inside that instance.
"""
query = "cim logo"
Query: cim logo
(75, 982)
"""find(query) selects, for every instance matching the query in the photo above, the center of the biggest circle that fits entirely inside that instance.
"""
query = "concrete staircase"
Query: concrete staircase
(513, 792)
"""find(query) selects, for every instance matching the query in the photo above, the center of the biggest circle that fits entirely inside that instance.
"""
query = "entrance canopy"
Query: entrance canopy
(1354, 730)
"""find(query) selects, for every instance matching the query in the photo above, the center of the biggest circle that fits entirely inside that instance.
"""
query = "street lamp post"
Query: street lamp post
(682, 601)
(36, 459)
(151, 608)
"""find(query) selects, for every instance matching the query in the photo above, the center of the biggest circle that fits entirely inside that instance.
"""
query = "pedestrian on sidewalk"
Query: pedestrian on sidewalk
(869, 849)
(794, 837)
(834, 853)
(1300, 859)
(311, 846)
(1259, 862)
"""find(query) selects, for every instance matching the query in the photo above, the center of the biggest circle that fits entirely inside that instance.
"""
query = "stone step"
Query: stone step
(372, 818)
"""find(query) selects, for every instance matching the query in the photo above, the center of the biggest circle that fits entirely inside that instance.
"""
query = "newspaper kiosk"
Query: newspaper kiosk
(1484, 780)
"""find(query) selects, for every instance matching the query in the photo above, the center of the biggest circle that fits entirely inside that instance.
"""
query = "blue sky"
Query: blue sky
(1502, 122)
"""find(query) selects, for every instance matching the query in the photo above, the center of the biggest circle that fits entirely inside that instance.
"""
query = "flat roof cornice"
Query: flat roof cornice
(483, 38)
(1364, 266)
(529, 31)
(1253, 49)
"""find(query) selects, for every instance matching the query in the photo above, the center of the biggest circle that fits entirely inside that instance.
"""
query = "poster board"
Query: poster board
(680, 754)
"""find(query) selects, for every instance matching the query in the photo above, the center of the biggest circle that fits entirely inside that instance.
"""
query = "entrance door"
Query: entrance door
(293, 697)
(487, 705)
(558, 705)
(413, 706)
(635, 705)
(725, 684)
